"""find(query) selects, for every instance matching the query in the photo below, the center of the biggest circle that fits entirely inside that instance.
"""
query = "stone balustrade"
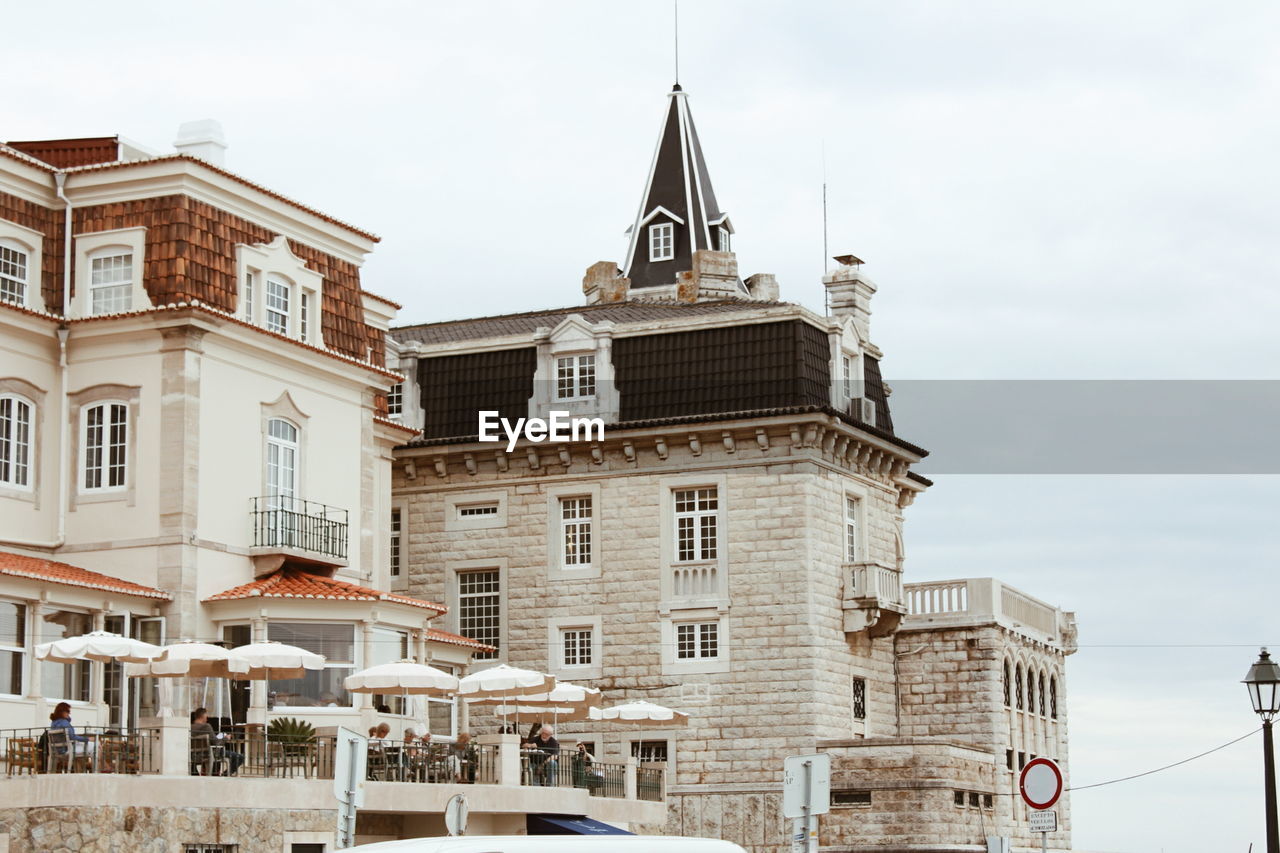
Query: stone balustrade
(971, 601)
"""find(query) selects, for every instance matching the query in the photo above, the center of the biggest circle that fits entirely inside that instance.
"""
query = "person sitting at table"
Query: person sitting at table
(547, 761)
(462, 759)
(380, 735)
(584, 775)
(81, 746)
(200, 726)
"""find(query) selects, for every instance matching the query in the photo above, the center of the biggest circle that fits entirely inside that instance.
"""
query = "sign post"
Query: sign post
(1041, 785)
(806, 793)
(350, 758)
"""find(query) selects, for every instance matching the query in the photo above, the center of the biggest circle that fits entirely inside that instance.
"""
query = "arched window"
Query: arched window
(1044, 708)
(1018, 686)
(111, 280)
(1004, 683)
(282, 463)
(1031, 690)
(15, 441)
(105, 439)
(14, 266)
(1053, 697)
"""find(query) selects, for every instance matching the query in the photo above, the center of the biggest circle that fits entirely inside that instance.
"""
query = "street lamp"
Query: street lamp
(1263, 682)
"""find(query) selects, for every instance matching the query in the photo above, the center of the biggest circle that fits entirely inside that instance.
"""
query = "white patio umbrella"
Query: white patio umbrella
(504, 681)
(642, 713)
(101, 646)
(556, 713)
(403, 676)
(189, 660)
(277, 661)
(564, 694)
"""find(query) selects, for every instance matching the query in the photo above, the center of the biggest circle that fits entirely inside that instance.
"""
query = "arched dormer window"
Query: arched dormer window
(15, 441)
(278, 292)
(662, 241)
(15, 279)
(1018, 686)
(108, 272)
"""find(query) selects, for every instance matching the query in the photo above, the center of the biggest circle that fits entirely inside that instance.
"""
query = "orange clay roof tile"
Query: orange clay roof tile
(40, 569)
(292, 583)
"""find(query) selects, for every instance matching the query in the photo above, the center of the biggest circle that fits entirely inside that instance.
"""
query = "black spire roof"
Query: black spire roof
(677, 195)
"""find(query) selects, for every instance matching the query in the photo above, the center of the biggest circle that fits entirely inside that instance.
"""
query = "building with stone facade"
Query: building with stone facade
(194, 445)
(733, 546)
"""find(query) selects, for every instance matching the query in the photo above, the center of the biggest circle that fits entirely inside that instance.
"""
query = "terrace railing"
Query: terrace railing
(297, 524)
(103, 750)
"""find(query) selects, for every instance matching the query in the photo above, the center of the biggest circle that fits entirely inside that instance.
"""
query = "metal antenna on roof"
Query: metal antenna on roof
(675, 19)
(826, 300)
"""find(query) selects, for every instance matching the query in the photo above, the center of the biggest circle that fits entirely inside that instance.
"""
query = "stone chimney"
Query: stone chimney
(849, 293)
(603, 284)
(714, 276)
(202, 139)
(763, 287)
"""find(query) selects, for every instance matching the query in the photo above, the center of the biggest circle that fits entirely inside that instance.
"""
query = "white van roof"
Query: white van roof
(554, 844)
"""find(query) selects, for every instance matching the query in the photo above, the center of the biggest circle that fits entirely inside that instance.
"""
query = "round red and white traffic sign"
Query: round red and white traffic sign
(1040, 783)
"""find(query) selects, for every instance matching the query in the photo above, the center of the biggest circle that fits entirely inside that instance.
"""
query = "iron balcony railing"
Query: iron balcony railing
(287, 522)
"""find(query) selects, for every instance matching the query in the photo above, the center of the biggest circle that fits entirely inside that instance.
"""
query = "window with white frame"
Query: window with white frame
(15, 441)
(395, 542)
(480, 608)
(442, 713)
(662, 241)
(575, 531)
(483, 510)
(389, 646)
(276, 316)
(723, 234)
(697, 640)
(322, 688)
(281, 463)
(852, 529)
(575, 646)
(575, 377)
(697, 524)
(13, 646)
(104, 439)
(846, 374)
(395, 400)
(14, 272)
(246, 296)
(111, 282)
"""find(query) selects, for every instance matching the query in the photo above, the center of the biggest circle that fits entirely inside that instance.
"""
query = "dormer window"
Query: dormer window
(13, 273)
(723, 234)
(279, 293)
(111, 282)
(662, 241)
(575, 377)
(276, 317)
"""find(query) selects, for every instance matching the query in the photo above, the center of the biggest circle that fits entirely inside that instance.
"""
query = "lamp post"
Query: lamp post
(1263, 682)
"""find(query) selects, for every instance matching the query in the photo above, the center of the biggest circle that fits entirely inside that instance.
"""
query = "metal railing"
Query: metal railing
(102, 750)
(263, 756)
(613, 780)
(649, 782)
(287, 522)
(432, 763)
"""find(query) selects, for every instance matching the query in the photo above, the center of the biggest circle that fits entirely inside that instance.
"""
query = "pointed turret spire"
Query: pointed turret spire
(678, 213)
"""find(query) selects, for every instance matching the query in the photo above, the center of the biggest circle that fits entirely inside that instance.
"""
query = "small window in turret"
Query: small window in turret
(724, 240)
(662, 241)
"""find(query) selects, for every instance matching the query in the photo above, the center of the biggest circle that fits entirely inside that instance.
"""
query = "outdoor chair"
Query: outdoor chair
(121, 754)
(23, 756)
(205, 760)
(60, 754)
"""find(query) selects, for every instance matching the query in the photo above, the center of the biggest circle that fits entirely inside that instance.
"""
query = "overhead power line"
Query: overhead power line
(1167, 766)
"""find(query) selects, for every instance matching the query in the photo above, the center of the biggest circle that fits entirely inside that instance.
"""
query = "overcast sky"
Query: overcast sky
(1079, 190)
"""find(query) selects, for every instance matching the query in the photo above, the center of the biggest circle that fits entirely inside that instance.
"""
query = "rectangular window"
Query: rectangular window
(13, 275)
(576, 645)
(247, 297)
(696, 524)
(321, 688)
(13, 646)
(575, 531)
(106, 428)
(724, 239)
(395, 542)
(395, 399)
(850, 798)
(575, 377)
(859, 689)
(852, 534)
(277, 313)
(478, 510)
(649, 751)
(846, 372)
(480, 608)
(64, 681)
(442, 714)
(304, 315)
(15, 442)
(662, 242)
(698, 641)
(389, 646)
(111, 284)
